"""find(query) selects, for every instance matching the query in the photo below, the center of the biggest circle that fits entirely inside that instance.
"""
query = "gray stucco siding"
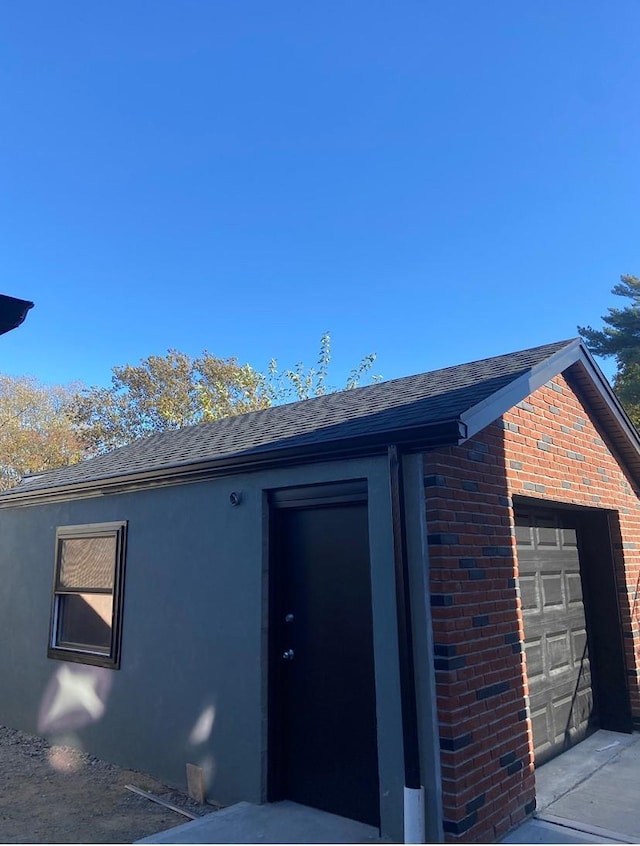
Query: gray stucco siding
(191, 635)
(192, 683)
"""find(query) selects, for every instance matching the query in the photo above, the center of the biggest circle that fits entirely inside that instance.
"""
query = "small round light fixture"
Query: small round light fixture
(235, 497)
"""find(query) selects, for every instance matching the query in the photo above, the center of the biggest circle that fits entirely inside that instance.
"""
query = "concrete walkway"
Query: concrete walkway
(590, 794)
(278, 822)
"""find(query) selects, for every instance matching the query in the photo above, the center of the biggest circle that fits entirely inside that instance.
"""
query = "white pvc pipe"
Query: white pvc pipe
(414, 815)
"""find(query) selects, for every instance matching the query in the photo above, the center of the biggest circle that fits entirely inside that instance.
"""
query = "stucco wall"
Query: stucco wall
(192, 683)
(548, 448)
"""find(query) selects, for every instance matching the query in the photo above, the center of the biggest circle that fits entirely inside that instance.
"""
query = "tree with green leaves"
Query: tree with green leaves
(37, 431)
(620, 338)
(302, 383)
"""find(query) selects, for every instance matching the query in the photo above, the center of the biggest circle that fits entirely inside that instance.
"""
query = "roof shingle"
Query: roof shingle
(420, 400)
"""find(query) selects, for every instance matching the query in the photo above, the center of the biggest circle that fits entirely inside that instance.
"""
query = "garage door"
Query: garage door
(556, 643)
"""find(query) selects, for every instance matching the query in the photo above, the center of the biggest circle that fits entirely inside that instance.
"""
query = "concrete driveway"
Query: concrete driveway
(590, 794)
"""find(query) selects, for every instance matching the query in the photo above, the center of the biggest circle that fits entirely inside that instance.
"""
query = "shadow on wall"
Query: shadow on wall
(77, 696)
(628, 607)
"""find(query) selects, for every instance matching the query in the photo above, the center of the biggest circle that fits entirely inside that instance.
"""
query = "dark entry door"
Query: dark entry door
(323, 742)
(555, 628)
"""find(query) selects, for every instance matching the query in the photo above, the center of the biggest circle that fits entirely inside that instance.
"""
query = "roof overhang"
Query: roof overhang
(12, 312)
(410, 439)
(583, 374)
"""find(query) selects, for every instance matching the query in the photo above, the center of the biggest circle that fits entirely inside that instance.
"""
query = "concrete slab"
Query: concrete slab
(564, 773)
(609, 797)
(589, 794)
(277, 822)
(540, 831)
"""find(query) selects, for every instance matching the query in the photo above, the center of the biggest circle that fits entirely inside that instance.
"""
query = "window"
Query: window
(86, 615)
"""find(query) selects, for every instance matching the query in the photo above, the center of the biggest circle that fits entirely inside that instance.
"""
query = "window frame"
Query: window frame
(84, 654)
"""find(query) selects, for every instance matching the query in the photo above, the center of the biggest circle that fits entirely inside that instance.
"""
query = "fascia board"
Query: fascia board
(414, 438)
(490, 409)
(606, 392)
(485, 412)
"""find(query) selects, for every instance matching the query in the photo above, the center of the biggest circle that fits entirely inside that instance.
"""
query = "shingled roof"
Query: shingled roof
(429, 409)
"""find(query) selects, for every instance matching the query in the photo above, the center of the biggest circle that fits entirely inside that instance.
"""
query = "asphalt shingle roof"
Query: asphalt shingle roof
(427, 398)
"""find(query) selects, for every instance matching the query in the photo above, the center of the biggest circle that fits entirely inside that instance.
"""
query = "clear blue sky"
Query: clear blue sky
(433, 180)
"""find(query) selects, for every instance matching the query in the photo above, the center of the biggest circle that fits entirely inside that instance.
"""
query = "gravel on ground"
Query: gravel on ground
(56, 794)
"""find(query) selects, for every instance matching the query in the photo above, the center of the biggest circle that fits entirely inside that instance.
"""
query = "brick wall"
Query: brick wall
(548, 448)
(555, 452)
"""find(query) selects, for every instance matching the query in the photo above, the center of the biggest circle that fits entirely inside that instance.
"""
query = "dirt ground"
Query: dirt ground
(55, 794)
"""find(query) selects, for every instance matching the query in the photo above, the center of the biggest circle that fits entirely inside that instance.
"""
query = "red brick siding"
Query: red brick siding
(599, 481)
(486, 744)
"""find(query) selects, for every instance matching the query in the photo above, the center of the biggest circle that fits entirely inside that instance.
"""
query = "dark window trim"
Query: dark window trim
(89, 654)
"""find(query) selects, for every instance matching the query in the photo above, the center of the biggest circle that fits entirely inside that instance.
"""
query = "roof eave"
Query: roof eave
(13, 312)
(410, 439)
(581, 370)
(588, 381)
(604, 388)
(485, 412)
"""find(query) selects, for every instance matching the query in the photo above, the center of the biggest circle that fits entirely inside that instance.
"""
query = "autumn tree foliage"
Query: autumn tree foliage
(163, 393)
(171, 391)
(43, 427)
(37, 430)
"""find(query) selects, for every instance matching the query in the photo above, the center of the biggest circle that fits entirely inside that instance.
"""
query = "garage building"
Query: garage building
(420, 587)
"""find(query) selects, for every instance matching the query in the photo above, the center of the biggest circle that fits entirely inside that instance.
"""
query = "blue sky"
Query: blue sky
(432, 180)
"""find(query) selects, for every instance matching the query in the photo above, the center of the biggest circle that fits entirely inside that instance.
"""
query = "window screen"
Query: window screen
(86, 612)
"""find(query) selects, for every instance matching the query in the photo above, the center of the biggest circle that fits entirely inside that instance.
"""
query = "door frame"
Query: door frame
(595, 527)
(604, 621)
(351, 492)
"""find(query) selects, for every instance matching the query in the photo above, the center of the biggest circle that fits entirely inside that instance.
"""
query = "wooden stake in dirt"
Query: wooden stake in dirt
(195, 783)
(160, 801)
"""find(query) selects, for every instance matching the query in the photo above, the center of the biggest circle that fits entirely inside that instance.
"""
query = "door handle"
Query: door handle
(288, 654)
